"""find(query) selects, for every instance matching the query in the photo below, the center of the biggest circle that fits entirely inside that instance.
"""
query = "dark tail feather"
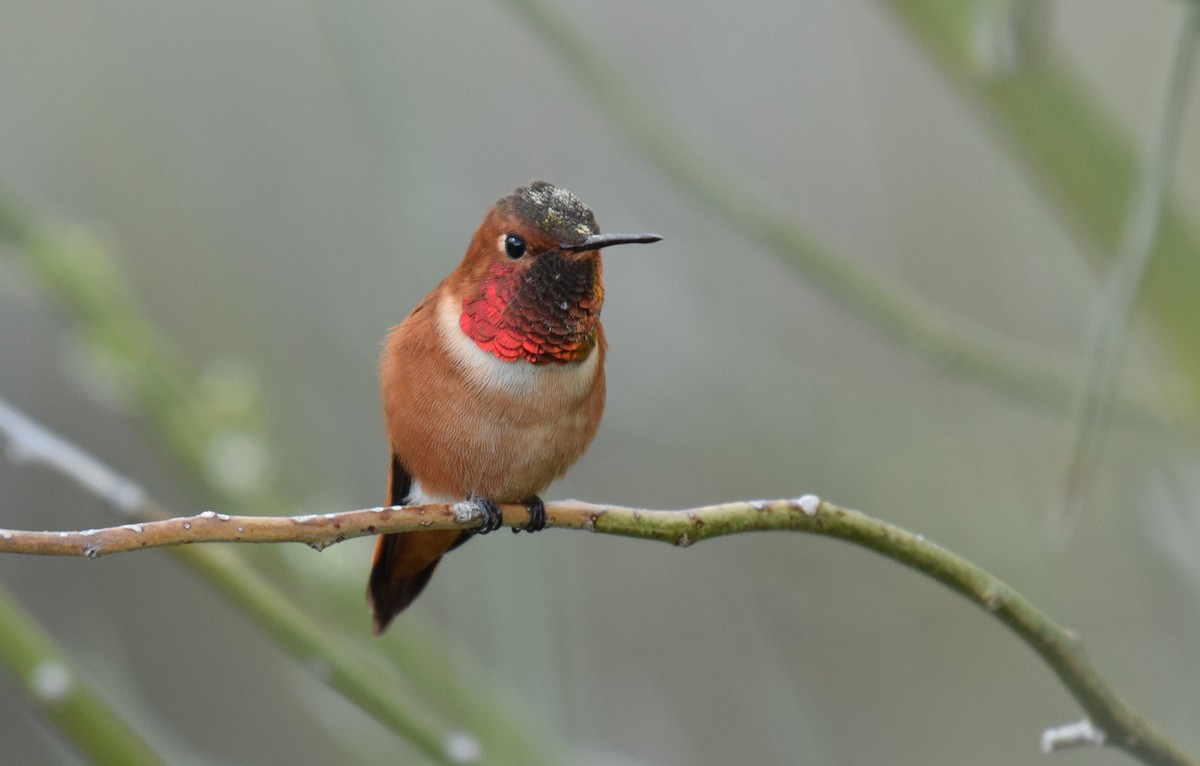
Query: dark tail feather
(404, 562)
(390, 589)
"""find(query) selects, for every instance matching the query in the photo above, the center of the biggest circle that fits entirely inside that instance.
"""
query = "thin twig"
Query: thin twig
(27, 441)
(1059, 648)
(1129, 271)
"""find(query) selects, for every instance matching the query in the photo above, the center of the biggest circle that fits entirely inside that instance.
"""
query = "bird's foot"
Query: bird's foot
(537, 515)
(493, 517)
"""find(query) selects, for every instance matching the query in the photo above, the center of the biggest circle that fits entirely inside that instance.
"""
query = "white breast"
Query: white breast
(418, 496)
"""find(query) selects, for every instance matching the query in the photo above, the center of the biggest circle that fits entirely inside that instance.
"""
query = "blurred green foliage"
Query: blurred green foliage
(283, 184)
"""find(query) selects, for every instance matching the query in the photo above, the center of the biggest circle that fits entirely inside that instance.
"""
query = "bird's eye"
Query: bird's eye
(514, 246)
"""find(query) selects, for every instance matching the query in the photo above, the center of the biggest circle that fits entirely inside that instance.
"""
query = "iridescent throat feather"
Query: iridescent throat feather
(546, 312)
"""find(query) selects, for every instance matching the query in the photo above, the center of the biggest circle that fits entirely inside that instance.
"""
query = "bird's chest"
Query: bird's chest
(503, 429)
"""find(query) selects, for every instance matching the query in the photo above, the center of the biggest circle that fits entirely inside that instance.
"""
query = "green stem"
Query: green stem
(380, 695)
(31, 442)
(1060, 649)
(1132, 260)
(944, 340)
(63, 695)
(1078, 154)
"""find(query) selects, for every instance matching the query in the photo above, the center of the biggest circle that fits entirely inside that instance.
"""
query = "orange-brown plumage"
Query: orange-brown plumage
(494, 384)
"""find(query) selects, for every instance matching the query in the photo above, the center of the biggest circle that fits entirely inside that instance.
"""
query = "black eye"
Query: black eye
(514, 246)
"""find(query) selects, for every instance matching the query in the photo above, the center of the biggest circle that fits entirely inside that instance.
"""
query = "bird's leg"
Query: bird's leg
(537, 515)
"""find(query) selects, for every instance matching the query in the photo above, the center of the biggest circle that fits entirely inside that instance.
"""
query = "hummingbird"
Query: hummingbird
(494, 385)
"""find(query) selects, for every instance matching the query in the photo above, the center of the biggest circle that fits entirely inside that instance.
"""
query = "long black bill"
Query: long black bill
(597, 241)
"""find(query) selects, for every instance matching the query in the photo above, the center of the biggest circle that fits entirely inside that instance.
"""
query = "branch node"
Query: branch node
(810, 504)
(467, 510)
(1072, 735)
(991, 601)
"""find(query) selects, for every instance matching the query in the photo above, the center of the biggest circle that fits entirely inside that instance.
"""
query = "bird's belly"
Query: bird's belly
(507, 453)
(522, 459)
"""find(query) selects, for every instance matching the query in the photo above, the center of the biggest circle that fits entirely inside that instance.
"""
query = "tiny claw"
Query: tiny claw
(537, 515)
(493, 517)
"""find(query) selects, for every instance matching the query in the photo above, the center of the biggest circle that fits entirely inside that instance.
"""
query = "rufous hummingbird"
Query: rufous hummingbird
(494, 384)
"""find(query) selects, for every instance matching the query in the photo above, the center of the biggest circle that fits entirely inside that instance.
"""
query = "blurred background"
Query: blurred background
(273, 185)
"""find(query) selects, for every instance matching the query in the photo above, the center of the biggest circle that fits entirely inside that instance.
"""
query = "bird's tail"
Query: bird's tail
(404, 561)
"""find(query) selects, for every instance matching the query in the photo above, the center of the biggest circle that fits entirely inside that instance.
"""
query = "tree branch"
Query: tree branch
(320, 531)
(1112, 720)
(1120, 724)
(350, 673)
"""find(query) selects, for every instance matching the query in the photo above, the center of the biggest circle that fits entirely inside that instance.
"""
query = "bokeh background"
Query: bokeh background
(278, 183)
